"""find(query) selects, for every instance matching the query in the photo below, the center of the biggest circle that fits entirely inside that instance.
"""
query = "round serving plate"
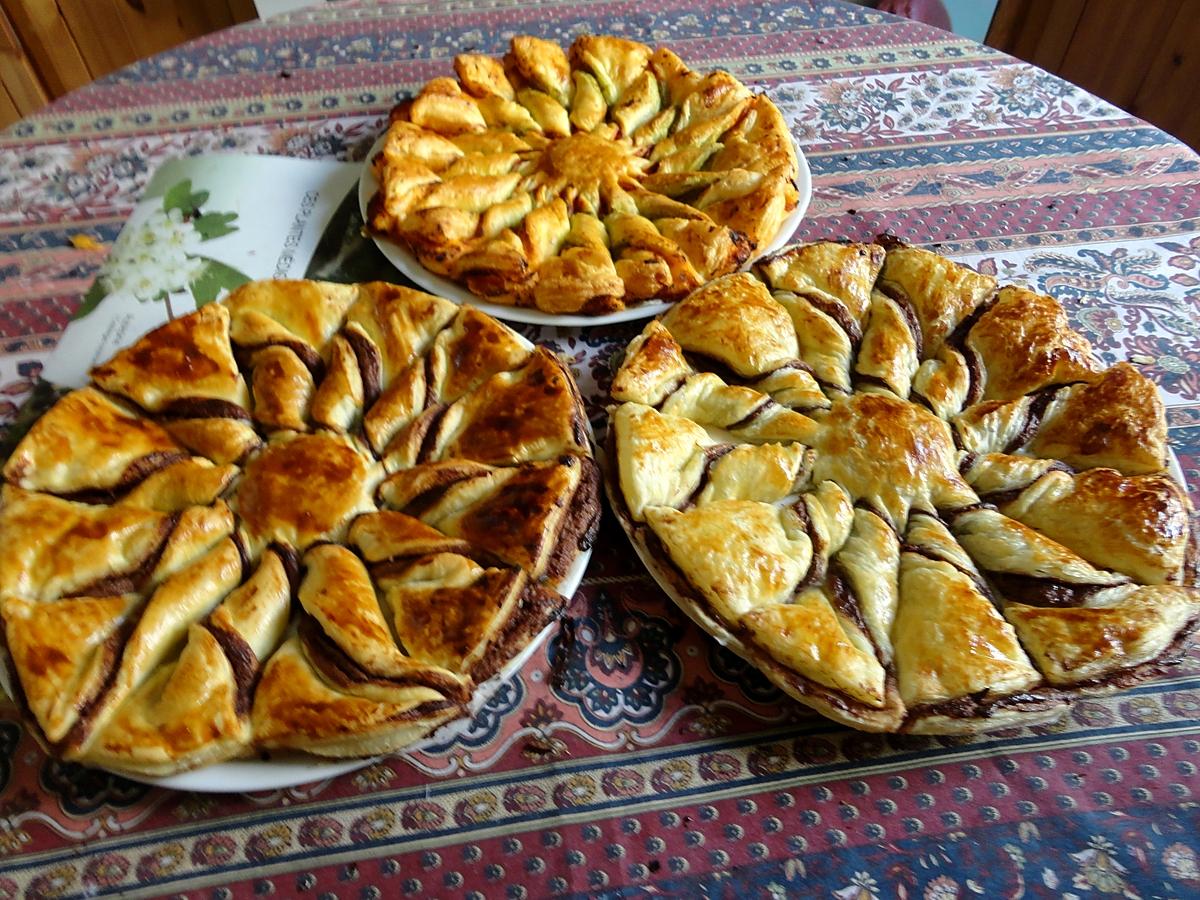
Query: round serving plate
(290, 769)
(409, 266)
(284, 769)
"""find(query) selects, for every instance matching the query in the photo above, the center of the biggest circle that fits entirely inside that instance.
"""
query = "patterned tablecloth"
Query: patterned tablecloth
(632, 755)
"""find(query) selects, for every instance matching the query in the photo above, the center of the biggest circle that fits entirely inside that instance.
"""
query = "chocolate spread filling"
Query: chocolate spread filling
(1000, 498)
(762, 658)
(132, 580)
(838, 313)
(861, 378)
(1033, 590)
(370, 364)
(341, 670)
(958, 340)
(431, 397)
(203, 408)
(243, 662)
(981, 706)
(874, 510)
(291, 563)
(753, 414)
(930, 553)
(847, 603)
(398, 565)
(1033, 419)
(817, 563)
(243, 554)
(1172, 655)
(670, 391)
(536, 608)
(427, 426)
(308, 356)
(902, 301)
(975, 375)
(711, 455)
(951, 513)
(582, 521)
(917, 397)
(135, 473)
(111, 653)
(421, 502)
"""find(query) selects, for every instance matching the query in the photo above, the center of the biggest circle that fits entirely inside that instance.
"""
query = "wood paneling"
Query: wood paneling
(1114, 45)
(1037, 32)
(1167, 94)
(64, 44)
(22, 89)
(1142, 55)
(49, 44)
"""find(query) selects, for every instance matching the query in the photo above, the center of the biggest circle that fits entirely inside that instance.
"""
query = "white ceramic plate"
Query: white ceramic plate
(404, 260)
(285, 770)
(289, 770)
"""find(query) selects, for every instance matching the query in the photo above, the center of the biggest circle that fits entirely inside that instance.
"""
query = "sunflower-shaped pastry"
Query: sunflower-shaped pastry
(586, 180)
(915, 502)
(311, 517)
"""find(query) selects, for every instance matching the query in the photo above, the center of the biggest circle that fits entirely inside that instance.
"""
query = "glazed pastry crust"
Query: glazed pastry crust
(961, 523)
(584, 180)
(1026, 343)
(311, 516)
(88, 425)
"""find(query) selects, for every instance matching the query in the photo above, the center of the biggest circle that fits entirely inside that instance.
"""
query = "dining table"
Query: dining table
(632, 755)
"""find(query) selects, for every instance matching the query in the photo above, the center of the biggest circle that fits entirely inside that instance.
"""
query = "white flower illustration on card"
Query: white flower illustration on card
(162, 255)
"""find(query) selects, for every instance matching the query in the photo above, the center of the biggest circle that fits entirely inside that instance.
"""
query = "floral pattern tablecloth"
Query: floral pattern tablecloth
(632, 755)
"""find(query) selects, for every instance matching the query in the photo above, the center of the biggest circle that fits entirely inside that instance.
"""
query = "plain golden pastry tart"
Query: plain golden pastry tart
(914, 501)
(584, 180)
(312, 517)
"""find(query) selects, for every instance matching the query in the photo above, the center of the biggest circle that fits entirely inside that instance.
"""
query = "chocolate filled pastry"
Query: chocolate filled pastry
(583, 180)
(311, 517)
(914, 501)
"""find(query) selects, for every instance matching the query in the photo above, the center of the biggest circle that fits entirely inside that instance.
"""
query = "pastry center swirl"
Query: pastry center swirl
(583, 157)
(875, 445)
(303, 490)
(585, 163)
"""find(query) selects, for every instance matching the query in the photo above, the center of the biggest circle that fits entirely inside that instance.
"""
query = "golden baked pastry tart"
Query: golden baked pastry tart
(914, 501)
(583, 180)
(312, 517)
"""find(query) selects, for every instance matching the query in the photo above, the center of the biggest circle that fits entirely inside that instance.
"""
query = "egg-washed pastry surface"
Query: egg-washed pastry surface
(311, 517)
(584, 180)
(914, 501)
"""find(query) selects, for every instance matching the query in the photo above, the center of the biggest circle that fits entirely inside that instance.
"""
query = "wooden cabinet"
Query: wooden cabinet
(1142, 55)
(48, 48)
(22, 91)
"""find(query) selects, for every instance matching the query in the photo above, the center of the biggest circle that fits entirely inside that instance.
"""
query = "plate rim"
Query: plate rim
(292, 769)
(407, 264)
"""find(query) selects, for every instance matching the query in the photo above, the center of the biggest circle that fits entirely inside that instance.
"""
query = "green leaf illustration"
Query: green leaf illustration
(214, 224)
(181, 197)
(91, 300)
(213, 278)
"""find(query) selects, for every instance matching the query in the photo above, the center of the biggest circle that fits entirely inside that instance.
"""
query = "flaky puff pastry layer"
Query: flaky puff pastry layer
(915, 502)
(311, 517)
(584, 180)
